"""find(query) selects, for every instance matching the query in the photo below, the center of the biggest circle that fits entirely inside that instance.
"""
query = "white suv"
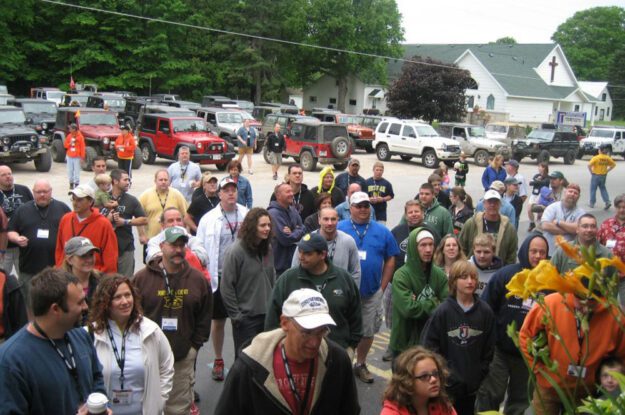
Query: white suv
(613, 137)
(408, 139)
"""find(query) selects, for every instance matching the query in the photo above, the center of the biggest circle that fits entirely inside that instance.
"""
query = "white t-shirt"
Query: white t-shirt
(556, 211)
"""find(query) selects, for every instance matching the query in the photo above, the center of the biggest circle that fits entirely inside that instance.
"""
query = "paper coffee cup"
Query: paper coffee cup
(96, 403)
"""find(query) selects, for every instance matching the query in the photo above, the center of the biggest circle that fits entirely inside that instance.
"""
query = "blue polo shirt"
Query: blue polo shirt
(375, 244)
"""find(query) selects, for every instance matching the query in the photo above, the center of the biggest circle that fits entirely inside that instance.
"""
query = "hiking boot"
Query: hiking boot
(387, 356)
(250, 171)
(607, 206)
(591, 205)
(363, 373)
(218, 370)
(275, 176)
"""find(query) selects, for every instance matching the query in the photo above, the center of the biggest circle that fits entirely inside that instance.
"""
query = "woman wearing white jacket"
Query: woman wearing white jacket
(137, 361)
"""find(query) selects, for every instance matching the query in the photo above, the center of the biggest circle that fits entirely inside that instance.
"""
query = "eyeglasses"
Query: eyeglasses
(426, 377)
(310, 333)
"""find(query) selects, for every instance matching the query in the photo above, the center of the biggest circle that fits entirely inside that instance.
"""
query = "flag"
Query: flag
(72, 84)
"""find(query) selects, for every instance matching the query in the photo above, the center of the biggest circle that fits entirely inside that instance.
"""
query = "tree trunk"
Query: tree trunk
(258, 79)
(342, 93)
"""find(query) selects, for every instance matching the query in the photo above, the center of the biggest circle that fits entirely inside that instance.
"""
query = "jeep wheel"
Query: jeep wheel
(90, 154)
(383, 153)
(58, 151)
(569, 157)
(369, 149)
(518, 157)
(341, 166)
(340, 147)
(147, 155)
(43, 163)
(137, 161)
(580, 154)
(267, 155)
(222, 166)
(429, 159)
(406, 158)
(543, 157)
(481, 158)
(307, 161)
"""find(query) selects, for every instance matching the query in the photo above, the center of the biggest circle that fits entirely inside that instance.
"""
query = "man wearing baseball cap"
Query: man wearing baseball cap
(560, 218)
(317, 272)
(345, 179)
(557, 182)
(88, 222)
(178, 298)
(512, 169)
(293, 369)
(493, 222)
(505, 208)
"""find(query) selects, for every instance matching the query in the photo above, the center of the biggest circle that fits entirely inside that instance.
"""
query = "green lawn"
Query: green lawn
(613, 122)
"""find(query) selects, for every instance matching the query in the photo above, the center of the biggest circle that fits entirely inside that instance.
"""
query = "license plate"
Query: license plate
(323, 153)
(24, 149)
(217, 157)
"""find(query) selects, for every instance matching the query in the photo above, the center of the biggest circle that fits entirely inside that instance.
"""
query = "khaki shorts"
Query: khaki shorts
(276, 159)
(371, 314)
(245, 150)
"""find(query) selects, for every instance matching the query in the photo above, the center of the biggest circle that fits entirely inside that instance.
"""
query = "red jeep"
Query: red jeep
(100, 129)
(310, 142)
(361, 137)
(163, 134)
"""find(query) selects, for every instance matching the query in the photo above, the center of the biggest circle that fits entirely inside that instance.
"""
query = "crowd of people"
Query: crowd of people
(306, 282)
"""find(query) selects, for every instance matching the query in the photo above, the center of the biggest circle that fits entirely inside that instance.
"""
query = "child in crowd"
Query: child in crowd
(461, 167)
(608, 385)
(546, 197)
(445, 180)
(102, 196)
(540, 180)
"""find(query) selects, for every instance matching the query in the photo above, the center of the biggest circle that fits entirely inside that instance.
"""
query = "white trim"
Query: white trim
(468, 51)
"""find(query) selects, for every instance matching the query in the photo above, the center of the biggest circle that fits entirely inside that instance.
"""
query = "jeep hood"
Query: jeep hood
(192, 137)
(97, 131)
(231, 127)
(41, 117)
(596, 140)
(486, 142)
(15, 129)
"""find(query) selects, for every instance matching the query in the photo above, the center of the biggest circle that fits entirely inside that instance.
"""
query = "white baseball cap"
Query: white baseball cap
(358, 197)
(492, 194)
(308, 308)
(82, 191)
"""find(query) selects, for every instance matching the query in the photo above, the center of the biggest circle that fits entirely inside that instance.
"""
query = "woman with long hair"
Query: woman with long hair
(79, 261)
(137, 361)
(448, 252)
(418, 385)
(461, 208)
(248, 277)
(494, 171)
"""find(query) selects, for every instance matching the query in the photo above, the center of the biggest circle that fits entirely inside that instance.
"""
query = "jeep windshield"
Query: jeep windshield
(190, 126)
(491, 128)
(115, 103)
(425, 130)
(55, 95)
(230, 118)
(39, 107)
(601, 133)
(98, 118)
(352, 119)
(478, 132)
(12, 117)
(541, 135)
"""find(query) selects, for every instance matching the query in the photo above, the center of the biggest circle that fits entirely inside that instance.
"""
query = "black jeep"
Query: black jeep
(19, 143)
(40, 113)
(542, 144)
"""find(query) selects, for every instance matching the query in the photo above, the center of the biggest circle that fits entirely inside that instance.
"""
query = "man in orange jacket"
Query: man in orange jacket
(88, 222)
(125, 147)
(75, 151)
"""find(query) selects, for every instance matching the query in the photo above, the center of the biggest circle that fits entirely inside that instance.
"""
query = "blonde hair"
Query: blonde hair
(458, 269)
(485, 239)
(102, 178)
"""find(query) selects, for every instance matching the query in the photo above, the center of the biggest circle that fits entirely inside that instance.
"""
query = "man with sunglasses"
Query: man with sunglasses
(294, 368)
(88, 222)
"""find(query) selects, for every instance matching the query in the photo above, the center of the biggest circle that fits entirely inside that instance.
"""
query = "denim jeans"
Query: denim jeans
(598, 180)
(73, 169)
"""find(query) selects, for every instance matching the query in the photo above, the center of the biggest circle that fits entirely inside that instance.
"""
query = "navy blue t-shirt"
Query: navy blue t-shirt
(379, 188)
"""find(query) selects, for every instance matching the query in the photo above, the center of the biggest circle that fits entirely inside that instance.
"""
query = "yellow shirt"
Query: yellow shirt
(600, 163)
(154, 203)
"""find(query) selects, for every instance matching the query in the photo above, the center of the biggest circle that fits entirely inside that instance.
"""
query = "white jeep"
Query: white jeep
(473, 142)
(613, 137)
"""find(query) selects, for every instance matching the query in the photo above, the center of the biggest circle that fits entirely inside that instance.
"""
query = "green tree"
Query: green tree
(590, 40)
(616, 86)
(507, 40)
(429, 92)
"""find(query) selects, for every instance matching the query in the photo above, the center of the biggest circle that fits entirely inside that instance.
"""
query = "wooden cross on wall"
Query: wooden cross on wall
(553, 65)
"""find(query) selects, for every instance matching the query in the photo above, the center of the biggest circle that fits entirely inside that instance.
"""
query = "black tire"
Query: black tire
(90, 154)
(543, 157)
(382, 152)
(569, 157)
(353, 144)
(429, 159)
(43, 163)
(406, 158)
(580, 155)
(130, 123)
(340, 147)
(137, 161)
(481, 158)
(147, 155)
(340, 167)
(58, 151)
(518, 157)
(222, 166)
(267, 156)
(369, 149)
(307, 161)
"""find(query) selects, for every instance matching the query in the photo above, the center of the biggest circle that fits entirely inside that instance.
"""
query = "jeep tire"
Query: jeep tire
(307, 161)
(147, 155)
(43, 163)
(369, 149)
(517, 156)
(341, 166)
(58, 151)
(543, 157)
(569, 157)
(481, 158)
(382, 152)
(90, 154)
(340, 147)
(429, 159)
(221, 166)
(136, 161)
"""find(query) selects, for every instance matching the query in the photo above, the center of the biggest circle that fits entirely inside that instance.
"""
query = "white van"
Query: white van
(612, 136)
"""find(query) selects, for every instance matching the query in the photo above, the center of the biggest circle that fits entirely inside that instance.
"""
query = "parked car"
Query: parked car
(612, 136)
(371, 121)
(541, 145)
(40, 113)
(75, 100)
(473, 141)
(100, 129)
(361, 137)
(166, 97)
(505, 132)
(213, 100)
(224, 122)
(126, 94)
(246, 106)
(5, 97)
(184, 104)
(285, 120)
(19, 143)
(162, 135)
(50, 93)
(311, 141)
(160, 108)
(107, 100)
(132, 111)
(410, 138)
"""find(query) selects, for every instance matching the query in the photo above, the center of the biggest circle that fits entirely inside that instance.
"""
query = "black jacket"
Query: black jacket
(275, 142)
(513, 309)
(465, 339)
(13, 306)
(251, 388)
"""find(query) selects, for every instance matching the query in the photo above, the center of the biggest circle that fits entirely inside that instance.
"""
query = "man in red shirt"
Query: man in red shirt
(612, 236)
(87, 221)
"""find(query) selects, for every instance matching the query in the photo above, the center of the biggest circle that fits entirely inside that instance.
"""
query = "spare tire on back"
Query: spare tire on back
(340, 146)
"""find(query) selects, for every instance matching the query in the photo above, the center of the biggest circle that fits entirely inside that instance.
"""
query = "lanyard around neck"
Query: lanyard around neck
(289, 375)
(119, 357)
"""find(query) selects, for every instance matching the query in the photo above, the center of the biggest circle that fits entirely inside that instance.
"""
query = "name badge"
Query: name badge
(122, 396)
(362, 255)
(527, 304)
(576, 371)
(43, 233)
(610, 243)
(183, 184)
(169, 324)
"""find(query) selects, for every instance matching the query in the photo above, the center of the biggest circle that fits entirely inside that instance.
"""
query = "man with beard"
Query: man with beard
(12, 196)
(178, 297)
(560, 218)
(66, 369)
(349, 177)
(508, 372)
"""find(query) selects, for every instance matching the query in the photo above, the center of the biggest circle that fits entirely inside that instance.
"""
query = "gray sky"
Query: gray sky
(483, 21)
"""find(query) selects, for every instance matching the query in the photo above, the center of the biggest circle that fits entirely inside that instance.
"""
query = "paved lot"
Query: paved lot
(406, 178)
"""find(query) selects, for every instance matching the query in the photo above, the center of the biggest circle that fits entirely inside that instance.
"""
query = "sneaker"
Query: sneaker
(194, 409)
(531, 227)
(250, 171)
(607, 206)
(387, 356)
(363, 373)
(275, 176)
(218, 370)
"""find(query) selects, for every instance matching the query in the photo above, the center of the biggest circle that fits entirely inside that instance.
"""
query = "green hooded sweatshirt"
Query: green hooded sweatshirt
(439, 218)
(415, 296)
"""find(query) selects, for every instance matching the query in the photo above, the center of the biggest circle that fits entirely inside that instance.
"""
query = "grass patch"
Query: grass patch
(620, 123)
